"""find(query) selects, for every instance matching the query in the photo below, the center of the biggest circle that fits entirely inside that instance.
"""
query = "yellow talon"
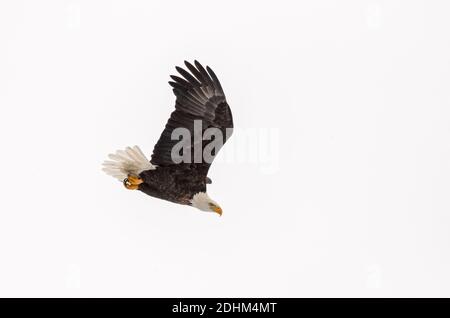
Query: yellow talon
(132, 182)
(135, 179)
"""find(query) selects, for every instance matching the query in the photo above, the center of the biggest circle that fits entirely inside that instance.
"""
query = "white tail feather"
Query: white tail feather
(125, 162)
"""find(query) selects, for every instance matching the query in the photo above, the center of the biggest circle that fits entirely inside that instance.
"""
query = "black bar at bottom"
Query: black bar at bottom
(205, 307)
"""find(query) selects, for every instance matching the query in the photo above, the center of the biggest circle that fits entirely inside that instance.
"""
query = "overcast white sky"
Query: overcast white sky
(351, 199)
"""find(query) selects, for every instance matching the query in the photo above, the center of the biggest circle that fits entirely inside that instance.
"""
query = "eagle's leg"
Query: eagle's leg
(208, 180)
(132, 182)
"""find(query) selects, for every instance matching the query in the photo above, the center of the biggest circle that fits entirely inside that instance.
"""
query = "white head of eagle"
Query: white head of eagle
(203, 202)
(199, 99)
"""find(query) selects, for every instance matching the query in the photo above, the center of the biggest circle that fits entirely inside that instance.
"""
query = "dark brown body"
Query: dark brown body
(199, 97)
(175, 183)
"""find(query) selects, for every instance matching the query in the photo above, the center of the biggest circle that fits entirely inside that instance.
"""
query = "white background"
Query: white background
(358, 92)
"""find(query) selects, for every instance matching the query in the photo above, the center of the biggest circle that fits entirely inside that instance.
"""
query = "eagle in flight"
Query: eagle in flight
(200, 102)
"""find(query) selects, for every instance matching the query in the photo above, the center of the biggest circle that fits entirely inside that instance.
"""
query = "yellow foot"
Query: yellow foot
(132, 182)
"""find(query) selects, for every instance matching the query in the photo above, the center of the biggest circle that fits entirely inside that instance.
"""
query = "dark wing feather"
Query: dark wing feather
(199, 96)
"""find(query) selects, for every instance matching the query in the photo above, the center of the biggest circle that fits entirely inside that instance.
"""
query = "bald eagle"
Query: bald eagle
(200, 102)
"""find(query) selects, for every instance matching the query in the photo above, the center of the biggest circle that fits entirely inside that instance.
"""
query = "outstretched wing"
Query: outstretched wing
(200, 98)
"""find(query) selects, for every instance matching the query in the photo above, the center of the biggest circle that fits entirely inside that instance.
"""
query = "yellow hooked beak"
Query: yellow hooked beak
(217, 209)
